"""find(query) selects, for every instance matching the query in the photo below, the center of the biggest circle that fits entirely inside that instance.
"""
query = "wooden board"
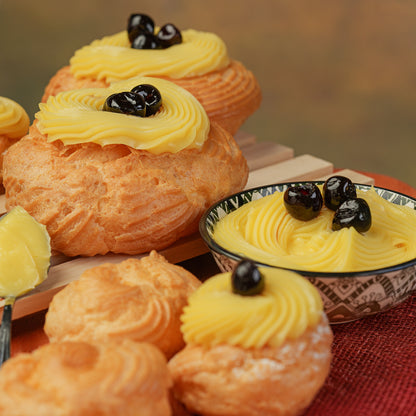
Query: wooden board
(268, 163)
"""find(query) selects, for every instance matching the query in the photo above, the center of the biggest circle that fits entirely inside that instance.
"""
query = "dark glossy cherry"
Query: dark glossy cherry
(336, 190)
(146, 41)
(353, 212)
(126, 103)
(304, 201)
(246, 279)
(139, 23)
(152, 97)
(169, 35)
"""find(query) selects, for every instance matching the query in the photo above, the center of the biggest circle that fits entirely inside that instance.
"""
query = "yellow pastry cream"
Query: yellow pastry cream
(76, 117)
(24, 253)
(286, 307)
(111, 58)
(14, 121)
(264, 230)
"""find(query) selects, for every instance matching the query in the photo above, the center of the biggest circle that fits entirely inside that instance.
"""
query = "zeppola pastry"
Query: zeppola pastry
(137, 299)
(197, 61)
(104, 178)
(14, 124)
(78, 378)
(264, 349)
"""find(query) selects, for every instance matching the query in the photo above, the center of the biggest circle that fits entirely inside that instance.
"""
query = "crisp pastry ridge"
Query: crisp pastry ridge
(95, 200)
(140, 299)
(229, 95)
(78, 378)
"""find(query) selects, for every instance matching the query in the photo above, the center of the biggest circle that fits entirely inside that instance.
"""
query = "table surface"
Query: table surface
(373, 370)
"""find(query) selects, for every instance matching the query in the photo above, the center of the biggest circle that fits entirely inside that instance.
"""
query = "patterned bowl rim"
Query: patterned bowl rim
(213, 246)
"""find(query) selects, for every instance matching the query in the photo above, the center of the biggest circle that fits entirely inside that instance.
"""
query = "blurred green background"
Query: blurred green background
(338, 77)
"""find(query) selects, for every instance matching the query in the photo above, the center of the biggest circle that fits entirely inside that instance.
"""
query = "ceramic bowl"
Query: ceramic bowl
(347, 296)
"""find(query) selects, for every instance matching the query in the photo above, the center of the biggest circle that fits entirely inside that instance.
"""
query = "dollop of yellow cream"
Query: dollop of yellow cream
(288, 305)
(24, 253)
(14, 121)
(263, 230)
(76, 117)
(111, 58)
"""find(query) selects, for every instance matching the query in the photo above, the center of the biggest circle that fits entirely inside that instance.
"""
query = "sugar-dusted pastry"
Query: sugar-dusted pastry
(258, 343)
(104, 181)
(78, 378)
(197, 61)
(14, 124)
(137, 299)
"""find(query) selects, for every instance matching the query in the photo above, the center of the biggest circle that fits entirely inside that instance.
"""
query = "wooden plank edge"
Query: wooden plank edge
(243, 138)
(263, 154)
(299, 168)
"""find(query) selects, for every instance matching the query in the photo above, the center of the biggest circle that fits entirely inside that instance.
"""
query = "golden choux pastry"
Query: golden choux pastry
(137, 299)
(228, 91)
(78, 378)
(14, 124)
(107, 182)
(267, 353)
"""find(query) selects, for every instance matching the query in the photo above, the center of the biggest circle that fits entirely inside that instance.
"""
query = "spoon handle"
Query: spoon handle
(6, 330)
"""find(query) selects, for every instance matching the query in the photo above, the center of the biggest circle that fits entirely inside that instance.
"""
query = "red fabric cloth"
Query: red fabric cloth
(373, 371)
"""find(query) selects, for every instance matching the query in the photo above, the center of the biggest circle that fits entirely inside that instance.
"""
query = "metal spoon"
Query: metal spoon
(6, 329)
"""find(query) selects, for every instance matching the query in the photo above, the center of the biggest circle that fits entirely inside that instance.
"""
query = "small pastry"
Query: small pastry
(14, 124)
(258, 343)
(106, 181)
(78, 378)
(137, 299)
(198, 62)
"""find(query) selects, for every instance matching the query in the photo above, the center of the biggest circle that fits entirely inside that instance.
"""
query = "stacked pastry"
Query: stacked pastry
(260, 334)
(111, 332)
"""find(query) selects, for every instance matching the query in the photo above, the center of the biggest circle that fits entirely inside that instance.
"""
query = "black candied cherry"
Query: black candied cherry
(336, 190)
(152, 97)
(169, 35)
(246, 279)
(146, 41)
(126, 103)
(139, 23)
(353, 212)
(304, 201)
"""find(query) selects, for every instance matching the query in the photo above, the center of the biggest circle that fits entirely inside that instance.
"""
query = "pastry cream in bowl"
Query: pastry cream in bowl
(265, 231)
(356, 273)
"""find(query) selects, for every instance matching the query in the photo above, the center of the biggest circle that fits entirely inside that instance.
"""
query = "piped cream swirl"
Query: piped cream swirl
(288, 305)
(263, 230)
(14, 121)
(111, 58)
(76, 116)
